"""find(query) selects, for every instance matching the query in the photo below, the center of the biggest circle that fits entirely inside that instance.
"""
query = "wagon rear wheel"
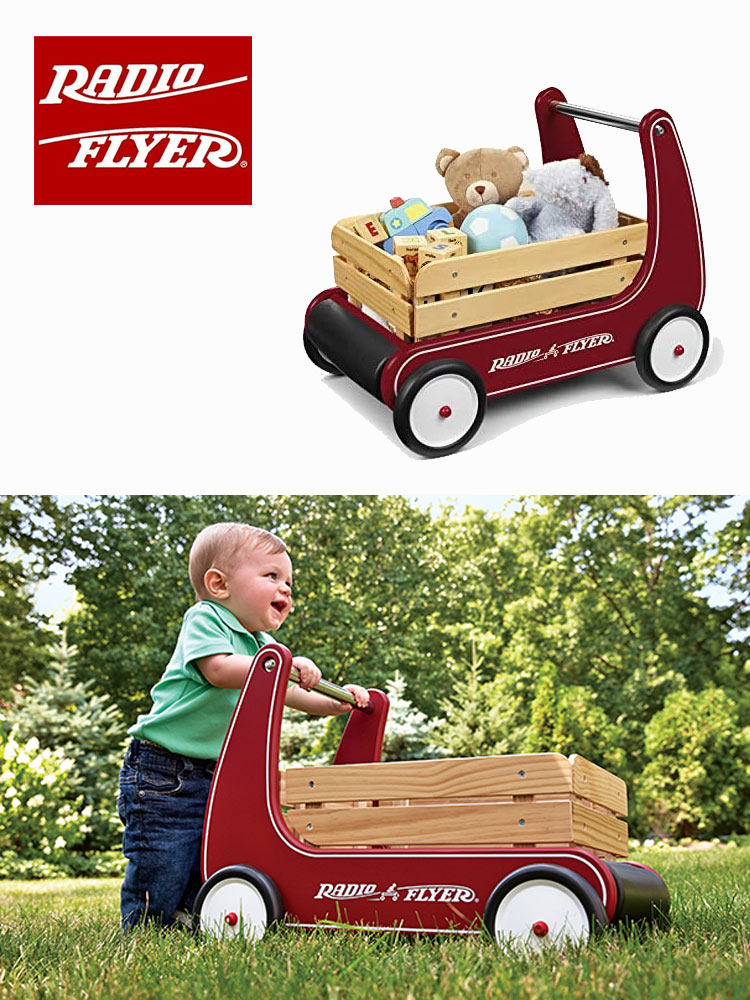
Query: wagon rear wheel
(238, 901)
(543, 906)
(672, 347)
(439, 408)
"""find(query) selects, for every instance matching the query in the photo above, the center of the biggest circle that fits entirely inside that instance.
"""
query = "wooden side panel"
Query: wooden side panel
(510, 823)
(384, 302)
(599, 831)
(520, 300)
(534, 258)
(381, 265)
(462, 778)
(600, 786)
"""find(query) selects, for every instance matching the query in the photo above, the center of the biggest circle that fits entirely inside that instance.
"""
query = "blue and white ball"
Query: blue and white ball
(494, 227)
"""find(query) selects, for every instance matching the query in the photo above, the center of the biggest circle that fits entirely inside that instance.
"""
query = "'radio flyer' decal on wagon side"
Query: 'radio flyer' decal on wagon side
(524, 357)
(95, 141)
(433, 893)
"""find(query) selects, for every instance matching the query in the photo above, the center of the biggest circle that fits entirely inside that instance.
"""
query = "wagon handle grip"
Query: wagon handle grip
(589, 115)
(330, 690)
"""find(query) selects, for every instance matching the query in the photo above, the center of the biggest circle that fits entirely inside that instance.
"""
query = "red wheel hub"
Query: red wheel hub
(231, 919)
(679, 350)
(540, 928)
(445, 411)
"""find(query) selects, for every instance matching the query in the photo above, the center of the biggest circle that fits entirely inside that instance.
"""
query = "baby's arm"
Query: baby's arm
(229, 670)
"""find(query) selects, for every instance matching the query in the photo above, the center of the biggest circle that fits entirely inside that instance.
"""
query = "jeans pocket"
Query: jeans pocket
(159, 775)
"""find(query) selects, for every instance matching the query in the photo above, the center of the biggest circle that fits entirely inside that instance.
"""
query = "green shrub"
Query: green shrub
(697, 780)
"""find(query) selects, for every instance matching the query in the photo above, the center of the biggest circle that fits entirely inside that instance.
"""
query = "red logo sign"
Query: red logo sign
(142, 121)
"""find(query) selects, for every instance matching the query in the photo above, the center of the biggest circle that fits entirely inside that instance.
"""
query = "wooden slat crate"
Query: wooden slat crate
(515, 800)
(462, 292)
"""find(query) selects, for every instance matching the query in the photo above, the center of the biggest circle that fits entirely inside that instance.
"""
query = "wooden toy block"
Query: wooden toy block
(449, 235)
(370, 228)
(408, 248)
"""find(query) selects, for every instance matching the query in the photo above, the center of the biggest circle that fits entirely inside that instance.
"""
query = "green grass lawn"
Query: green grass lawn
(61, 938)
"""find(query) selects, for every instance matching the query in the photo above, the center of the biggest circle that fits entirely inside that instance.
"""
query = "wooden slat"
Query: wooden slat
(387, 304)
(519, 300)
(599, 831)
(386, 267)
(517, 823)
(535, 258)
(462, 778)
(593, 782)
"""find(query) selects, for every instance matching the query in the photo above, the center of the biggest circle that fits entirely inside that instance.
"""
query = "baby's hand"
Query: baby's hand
(361, 696)
(309, 675)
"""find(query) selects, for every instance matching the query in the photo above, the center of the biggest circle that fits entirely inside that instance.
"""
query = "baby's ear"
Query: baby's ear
(519, 155)
(444, 159)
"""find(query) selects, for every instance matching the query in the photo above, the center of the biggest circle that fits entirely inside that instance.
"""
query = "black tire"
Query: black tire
(545, 875)
(663, 359)
(418, 418)
(229, 883)
(317, 357)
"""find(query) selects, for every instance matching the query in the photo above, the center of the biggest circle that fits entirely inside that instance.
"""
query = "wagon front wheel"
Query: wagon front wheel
(543, 906)
(672, 347)
(439, 408)
(238, 900)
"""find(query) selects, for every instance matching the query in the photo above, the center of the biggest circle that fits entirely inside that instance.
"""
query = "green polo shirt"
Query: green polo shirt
(189, 715)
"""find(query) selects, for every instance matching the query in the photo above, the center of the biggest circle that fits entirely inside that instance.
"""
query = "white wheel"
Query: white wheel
(233, 907)
(672, 347)
(238, 901)
(538, 914)
(543, 906)
(439, 408)
(676, 349)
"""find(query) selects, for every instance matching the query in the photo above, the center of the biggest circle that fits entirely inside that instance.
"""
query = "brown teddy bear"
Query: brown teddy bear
(481, 176)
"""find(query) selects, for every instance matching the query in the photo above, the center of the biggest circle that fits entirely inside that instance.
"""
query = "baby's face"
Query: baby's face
(260, 589)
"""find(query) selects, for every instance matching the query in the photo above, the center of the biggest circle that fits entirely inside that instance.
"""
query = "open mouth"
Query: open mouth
(280, 606)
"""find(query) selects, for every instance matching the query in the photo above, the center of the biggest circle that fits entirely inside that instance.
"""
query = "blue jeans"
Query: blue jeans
(162, 803)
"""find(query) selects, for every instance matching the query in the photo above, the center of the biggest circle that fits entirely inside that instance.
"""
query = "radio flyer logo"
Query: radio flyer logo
(142, 121)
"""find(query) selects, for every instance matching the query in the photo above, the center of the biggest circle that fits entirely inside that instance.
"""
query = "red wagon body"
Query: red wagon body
(437, 384)
(257, 871)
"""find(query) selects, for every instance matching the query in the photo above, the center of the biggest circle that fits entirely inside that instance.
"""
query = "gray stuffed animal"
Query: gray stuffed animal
(568, 197)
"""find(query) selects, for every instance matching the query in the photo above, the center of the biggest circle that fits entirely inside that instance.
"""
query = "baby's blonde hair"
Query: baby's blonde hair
(218, 545)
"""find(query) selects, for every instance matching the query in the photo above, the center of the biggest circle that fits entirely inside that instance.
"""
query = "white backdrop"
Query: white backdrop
(159, 348)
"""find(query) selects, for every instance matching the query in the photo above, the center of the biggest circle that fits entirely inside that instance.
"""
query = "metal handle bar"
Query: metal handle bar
(589, 115)
(328, 689)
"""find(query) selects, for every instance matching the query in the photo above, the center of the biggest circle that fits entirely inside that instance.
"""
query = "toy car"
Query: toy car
(522, 845)
(483, 325)
(412, 218)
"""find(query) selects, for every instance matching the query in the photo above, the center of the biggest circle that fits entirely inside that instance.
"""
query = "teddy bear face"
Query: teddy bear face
(481, 176)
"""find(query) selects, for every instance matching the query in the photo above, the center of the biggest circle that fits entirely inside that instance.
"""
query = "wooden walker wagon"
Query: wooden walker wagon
(529, 846)
(491, 323)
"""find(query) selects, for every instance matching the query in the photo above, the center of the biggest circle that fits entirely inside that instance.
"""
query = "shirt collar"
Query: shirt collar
(228, 618)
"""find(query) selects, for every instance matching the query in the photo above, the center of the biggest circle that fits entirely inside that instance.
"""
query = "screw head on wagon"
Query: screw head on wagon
(465, 329)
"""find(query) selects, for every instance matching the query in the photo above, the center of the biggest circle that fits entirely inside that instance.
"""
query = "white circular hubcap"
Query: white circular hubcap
(231, 907)
(676, 349)
(550, 904)
(443, 410)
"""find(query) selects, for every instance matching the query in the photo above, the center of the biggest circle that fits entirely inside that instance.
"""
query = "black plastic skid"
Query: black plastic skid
(350, 343)
(642, 894)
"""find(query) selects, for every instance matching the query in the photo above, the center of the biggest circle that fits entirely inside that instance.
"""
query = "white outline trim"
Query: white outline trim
(599, 312)
(140, 129)
(292, 844)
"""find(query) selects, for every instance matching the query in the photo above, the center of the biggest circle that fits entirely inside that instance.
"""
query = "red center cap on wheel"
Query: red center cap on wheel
(540, 928)
(679, 349)
(445, 411)
(231, 919)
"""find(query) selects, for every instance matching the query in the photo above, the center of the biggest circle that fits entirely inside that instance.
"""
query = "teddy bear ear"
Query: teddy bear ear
(520, 155)
(444, 159)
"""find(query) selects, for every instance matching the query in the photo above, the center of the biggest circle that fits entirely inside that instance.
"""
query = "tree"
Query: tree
(66, 716)
(364, 577)
(409, 734)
